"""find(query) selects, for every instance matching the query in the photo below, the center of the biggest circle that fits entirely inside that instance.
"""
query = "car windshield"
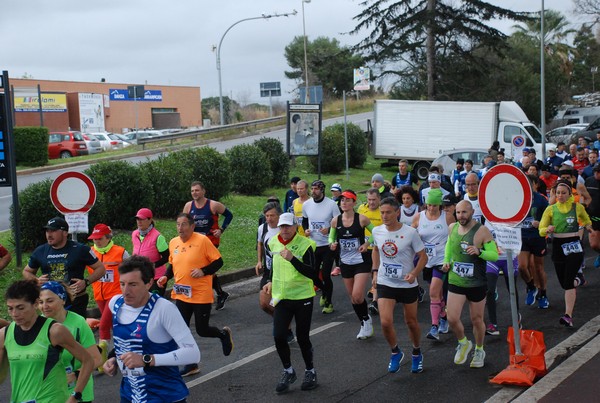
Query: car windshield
(534, 133)
(78, 137)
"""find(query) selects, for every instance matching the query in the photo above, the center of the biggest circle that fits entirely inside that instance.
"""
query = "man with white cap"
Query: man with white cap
(64, 259)
(291, 287)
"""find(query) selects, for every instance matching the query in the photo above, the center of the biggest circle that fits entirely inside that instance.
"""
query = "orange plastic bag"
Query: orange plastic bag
(533, 349)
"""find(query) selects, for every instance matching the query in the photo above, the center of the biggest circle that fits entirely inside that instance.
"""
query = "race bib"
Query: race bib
(392, 270)
(347, 245)
(317, 225)
(463, 269)
(181, 289)
(572, 247)
(527, 223)
(430, 250)
(109, 276)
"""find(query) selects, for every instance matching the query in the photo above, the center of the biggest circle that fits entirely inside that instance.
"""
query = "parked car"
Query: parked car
(66, 145)
(120, 142)
(93, 145)
(564, 133)
(105, 141)
(449, 157)
(141, 134)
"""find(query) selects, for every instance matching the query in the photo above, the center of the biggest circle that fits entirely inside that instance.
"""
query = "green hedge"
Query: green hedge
(31, 146)
(333, 157)
(35, 209)
(278, 160)
(250, 169)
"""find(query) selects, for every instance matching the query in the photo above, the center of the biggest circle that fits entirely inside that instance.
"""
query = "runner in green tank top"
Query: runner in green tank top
(41, 377)
(469, 246)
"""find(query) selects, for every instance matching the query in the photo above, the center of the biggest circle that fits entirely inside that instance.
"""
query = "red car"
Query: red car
(66, 145)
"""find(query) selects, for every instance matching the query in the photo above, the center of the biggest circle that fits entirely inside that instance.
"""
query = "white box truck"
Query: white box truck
(419, 131)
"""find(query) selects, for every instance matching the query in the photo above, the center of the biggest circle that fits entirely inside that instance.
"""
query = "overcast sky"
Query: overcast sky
(171, 42)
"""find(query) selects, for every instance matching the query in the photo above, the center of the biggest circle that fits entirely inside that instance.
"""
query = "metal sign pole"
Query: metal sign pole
(513, 302)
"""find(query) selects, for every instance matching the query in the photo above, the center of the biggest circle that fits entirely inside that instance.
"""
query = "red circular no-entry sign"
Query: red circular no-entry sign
(73, 192)
(505, 195)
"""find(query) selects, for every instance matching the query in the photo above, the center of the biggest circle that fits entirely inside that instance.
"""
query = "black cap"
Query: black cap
(295, 179)
(447, 200)
(460, 161)
(57, 223)
(545, 167)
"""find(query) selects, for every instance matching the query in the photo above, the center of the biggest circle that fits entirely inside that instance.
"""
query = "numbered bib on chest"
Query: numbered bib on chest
(349, 244)
(463, 269)
(430, 250)
(572, 247)
(181, 289)
(109, 276)
(317, 225)
(393, 270)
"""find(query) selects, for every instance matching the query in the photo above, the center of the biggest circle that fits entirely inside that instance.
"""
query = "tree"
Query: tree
(212, 103)
(329, 64)
(587, 56)
(588, 7)
(401, 29)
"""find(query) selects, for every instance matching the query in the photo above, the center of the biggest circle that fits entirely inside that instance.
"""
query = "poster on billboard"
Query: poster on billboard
(362, 77)
(304, 128)
(50, 103)
(91, 112)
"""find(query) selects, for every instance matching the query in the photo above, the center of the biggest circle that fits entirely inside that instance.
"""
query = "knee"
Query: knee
(386, 324)
(357, 298)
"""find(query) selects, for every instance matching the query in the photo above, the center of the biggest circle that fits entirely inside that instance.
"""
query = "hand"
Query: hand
(77, 285)
(43, 279)
(324, 230)
(446, 267)
(132, 360)
(162, 281)
(286, 254)
(374, 280)
(410, 278)
(307, 232)
(197, 273)
(217, 233)
(110, 367)
(71, 377)
(535, 224)
(550, 229)
(363, 248)
(333, 246)
(258, 268)
(473, 250)
(267, 288)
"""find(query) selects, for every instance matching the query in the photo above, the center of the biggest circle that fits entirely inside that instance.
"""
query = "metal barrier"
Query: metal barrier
(195, 133)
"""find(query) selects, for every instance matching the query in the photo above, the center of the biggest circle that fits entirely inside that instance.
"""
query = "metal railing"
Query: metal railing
(195, 133)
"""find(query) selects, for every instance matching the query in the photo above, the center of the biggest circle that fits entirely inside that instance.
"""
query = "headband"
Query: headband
(565, 185)
(434, 177)
(56, 288)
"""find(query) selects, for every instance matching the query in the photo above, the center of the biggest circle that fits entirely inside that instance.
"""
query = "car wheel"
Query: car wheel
(421, 168)
(65, 154)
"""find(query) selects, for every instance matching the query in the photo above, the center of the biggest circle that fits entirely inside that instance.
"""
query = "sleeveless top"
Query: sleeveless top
(147, 247)
(434, 235)
(287, 282)
(297, 205)
(477, 213)
(565, 223)
(206, 221)
(152, 384)
(407, 214)
(466, 270)
(349, 240)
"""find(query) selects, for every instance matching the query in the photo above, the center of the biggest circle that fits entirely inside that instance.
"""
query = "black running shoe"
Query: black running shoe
(310, 380)
(221, 298)
(285, 381)
(227, 341)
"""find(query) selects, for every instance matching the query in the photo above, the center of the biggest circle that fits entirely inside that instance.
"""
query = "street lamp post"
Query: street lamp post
(264, 16)
(593, 70)
(306, 95)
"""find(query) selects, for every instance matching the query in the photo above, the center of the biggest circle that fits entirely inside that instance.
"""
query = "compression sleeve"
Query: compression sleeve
(228, 217)
(169, 273)
(305, 223)
(164, 258)
(332, 235)
(306, 265)
(370, 227)
(489, 251)
(213, 266)
(448, 253)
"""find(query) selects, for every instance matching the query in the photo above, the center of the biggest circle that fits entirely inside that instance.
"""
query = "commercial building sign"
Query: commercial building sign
(91, 112)
(50, 103)
(117, 94)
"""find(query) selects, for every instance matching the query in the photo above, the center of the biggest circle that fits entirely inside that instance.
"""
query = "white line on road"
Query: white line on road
(250, 358)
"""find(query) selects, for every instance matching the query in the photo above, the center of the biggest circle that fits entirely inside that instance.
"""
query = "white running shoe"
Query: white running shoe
(478, 358)
(462, 352)
(367, 328)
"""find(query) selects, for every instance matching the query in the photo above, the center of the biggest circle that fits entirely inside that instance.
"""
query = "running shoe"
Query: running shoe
(434, 333)
(597, 262)
(581, 278)
(443, 325)
(492, 330)
(227, 341)
(478, 360)
(221, 298)
(322, 301)
(462, 352)
(417, 364)
(395, 361)
(566, 320)
(310, 379)
(543, 303)
(373, 308)
(328, 308)
(290, 336)
(103, 346)
(189, 370)
(336, 271)
(287, 378)
(421, 294)
(366, 329)
(531, 294)
(496, 294)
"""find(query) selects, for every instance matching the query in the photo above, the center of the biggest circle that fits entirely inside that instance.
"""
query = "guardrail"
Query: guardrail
(195, 133)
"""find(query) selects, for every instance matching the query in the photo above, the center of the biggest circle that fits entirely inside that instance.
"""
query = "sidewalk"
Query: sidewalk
(574, 379)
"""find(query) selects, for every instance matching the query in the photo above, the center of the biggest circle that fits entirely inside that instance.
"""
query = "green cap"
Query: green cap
(434, 197)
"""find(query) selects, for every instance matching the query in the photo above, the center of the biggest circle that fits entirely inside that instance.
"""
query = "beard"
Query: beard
(465, 221)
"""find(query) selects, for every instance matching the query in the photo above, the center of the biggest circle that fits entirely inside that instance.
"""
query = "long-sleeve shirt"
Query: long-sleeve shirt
(547, 218)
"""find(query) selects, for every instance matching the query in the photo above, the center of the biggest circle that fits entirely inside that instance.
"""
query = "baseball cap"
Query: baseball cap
(57, 223)
(144, 213)
(532, 151)
(336, 187)
(526, 150)
(447, 200)
(349, 194)
(99, 231)
(568, 162)
(286, 219)
(545, 168)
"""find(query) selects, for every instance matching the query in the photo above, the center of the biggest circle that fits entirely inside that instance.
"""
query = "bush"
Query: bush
(278, 160)
(31, 146)
(121, 191)
(35, 209)
(332, 151)
(357, 146)
(248, 169)
(209, 167)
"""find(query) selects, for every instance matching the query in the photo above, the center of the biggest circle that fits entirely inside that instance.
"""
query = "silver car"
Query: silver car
(92, 144)
(449, 157)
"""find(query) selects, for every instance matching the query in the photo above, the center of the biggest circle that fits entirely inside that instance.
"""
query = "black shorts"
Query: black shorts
(402, 295)
(473, 294)
(350, 270)
(264, 279)
(535, 245)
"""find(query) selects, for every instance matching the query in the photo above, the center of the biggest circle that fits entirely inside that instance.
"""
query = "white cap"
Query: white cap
(568, 162)
(286, 219)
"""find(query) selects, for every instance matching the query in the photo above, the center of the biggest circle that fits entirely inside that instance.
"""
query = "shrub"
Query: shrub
(332, 151)
(31, 146)
(209, 167)
(357, 146)
(278, 160)
(248, 169)
(121, 190)
(35, 209)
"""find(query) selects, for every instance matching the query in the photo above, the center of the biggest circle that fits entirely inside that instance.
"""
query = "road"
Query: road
(25, 179)
(351, 370)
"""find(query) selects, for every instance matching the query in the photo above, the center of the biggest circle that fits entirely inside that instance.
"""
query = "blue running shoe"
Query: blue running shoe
(395, 361)
(443, 326)
(597, 262)
(543, 303)
(434, 333)
(531, 294)
(417, 364)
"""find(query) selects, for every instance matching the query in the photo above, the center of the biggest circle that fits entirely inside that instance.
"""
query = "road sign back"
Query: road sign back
(73, 192)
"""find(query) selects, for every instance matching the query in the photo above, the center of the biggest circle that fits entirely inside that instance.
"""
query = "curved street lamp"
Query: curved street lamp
(264, 16)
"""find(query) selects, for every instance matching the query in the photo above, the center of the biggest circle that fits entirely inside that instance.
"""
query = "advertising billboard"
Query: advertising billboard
(50, 103)
(91, 112)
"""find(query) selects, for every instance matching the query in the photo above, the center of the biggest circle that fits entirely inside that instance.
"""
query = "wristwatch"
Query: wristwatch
(87, 282)
(147, 358)
(77, 396)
